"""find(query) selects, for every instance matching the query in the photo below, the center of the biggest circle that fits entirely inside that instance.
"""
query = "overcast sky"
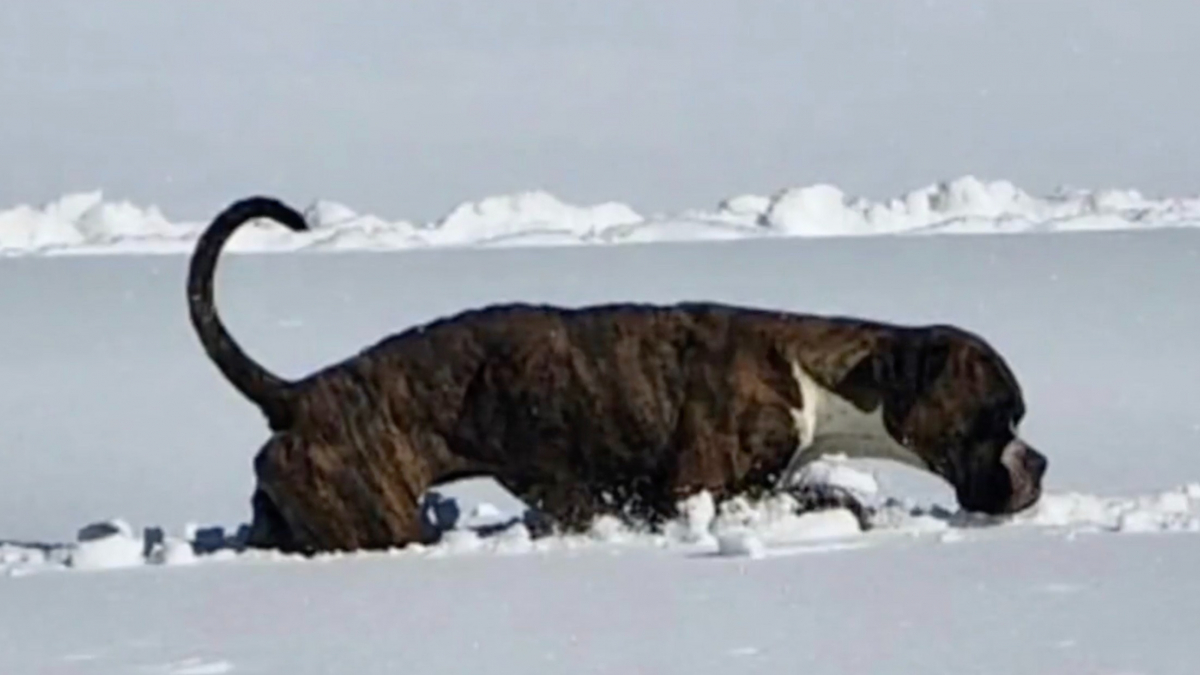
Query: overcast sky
(405, 109)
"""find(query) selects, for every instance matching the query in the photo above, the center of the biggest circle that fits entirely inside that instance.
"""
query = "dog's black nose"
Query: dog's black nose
(1035, 463)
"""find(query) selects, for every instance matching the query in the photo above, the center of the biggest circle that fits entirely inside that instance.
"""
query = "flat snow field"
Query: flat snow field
(110, 411)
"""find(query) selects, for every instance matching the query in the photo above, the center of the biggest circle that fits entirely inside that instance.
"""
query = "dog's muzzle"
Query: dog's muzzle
(1025, 467)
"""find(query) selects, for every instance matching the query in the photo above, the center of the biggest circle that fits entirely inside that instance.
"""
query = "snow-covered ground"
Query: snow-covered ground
(111, 413)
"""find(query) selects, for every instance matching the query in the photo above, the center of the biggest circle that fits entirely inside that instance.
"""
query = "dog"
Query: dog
(621, 409)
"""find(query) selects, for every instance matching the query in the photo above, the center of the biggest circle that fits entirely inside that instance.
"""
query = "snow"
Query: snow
(739, 528)
(87, 223)
(740, 543)
(1073, 600)
(128, 465)
(836, 470)
(116, 548)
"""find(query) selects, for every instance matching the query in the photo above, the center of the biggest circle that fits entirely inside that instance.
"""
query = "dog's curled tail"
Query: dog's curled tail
(255, 382)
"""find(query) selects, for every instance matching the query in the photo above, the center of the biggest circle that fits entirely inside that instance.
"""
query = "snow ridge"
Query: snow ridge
(87, 223)
(740, 529)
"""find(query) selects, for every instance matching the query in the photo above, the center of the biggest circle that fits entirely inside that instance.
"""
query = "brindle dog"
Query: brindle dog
(621, 409)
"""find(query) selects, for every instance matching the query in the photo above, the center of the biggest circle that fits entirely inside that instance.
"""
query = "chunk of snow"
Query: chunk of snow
(1172, 502)
(818, 525)
(522, 213)
(458, 541)
(740, 543)
(696, 517)
(609, 529)
(836, 472)
(107, 545)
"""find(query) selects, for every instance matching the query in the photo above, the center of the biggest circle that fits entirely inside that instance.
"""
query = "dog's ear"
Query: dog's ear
(907, 367)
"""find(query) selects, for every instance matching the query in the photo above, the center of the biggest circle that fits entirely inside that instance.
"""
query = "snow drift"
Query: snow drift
(740, 528)
(87, 223)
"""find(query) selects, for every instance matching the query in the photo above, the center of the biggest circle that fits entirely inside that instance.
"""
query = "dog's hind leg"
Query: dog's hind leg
(565, 507)
(318, 497)
(554, 506)
(822, 497)
(267, 529)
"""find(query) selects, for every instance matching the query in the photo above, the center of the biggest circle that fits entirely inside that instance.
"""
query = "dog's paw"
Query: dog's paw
(538, 524)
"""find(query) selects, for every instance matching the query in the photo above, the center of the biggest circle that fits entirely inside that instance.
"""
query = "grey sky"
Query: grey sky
(406, 109)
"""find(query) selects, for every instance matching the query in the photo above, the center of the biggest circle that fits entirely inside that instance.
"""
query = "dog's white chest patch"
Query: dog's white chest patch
(828, 424)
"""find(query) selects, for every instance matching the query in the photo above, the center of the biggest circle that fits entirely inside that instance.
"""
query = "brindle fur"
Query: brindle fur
(618, 409)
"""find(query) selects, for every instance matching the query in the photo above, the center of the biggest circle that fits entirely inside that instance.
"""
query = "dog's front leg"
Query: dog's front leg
(812, 497)
(554, 505)
(812, 494)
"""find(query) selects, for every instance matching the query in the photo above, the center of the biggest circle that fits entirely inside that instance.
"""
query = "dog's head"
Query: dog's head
(951, 398)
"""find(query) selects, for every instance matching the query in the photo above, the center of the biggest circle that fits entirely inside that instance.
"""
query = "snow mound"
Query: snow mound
(775, 518)
(816, 526)
(527, 214)
(1170, 511)
(694, 524)
(836, 471)
(107, 545)
(964, 205)
(86, 223)
(741, 543)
